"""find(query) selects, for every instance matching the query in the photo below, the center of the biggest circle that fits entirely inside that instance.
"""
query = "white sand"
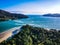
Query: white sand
(7, 34)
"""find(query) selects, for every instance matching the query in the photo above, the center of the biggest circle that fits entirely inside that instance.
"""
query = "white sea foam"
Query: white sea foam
(18, 21)
(19, 24)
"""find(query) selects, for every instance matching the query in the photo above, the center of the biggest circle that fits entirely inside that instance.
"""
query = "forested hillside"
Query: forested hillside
(30, 35)
(5, 15)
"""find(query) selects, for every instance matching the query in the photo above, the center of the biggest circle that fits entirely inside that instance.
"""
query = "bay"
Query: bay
(34, 20)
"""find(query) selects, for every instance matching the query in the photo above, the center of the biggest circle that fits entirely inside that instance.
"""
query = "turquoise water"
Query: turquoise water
(7, 25)
(34, 20)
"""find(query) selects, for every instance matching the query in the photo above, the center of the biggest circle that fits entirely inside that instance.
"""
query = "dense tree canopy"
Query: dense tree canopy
(30, 35)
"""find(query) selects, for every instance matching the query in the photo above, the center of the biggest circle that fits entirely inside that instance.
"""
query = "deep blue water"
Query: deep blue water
(35, 20)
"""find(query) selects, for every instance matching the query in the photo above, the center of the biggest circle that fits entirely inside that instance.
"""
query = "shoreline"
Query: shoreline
(8, 33)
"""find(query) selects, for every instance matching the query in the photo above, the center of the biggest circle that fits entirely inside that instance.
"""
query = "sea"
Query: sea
(34, 20)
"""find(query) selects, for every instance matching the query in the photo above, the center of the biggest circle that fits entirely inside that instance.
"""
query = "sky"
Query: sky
(31, 6)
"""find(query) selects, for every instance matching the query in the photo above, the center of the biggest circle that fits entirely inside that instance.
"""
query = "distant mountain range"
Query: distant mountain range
(5, 15)
(52, 15)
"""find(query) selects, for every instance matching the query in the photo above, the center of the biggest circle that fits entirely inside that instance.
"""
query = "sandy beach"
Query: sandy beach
(7, 34)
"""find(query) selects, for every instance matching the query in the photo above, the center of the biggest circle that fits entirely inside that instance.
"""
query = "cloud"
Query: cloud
(36, 8)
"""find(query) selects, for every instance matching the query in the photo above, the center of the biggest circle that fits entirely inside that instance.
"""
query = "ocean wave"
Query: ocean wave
(34, 24)
(19, 24)
(18, 21)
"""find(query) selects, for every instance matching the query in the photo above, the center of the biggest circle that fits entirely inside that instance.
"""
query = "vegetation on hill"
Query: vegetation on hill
(30, 35)
(4, 15)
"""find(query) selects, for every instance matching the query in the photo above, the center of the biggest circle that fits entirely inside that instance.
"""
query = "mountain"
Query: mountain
(52, 15)
(5, 15)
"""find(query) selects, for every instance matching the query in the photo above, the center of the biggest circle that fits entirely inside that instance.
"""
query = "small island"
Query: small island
(52, 15)
(5, 15)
